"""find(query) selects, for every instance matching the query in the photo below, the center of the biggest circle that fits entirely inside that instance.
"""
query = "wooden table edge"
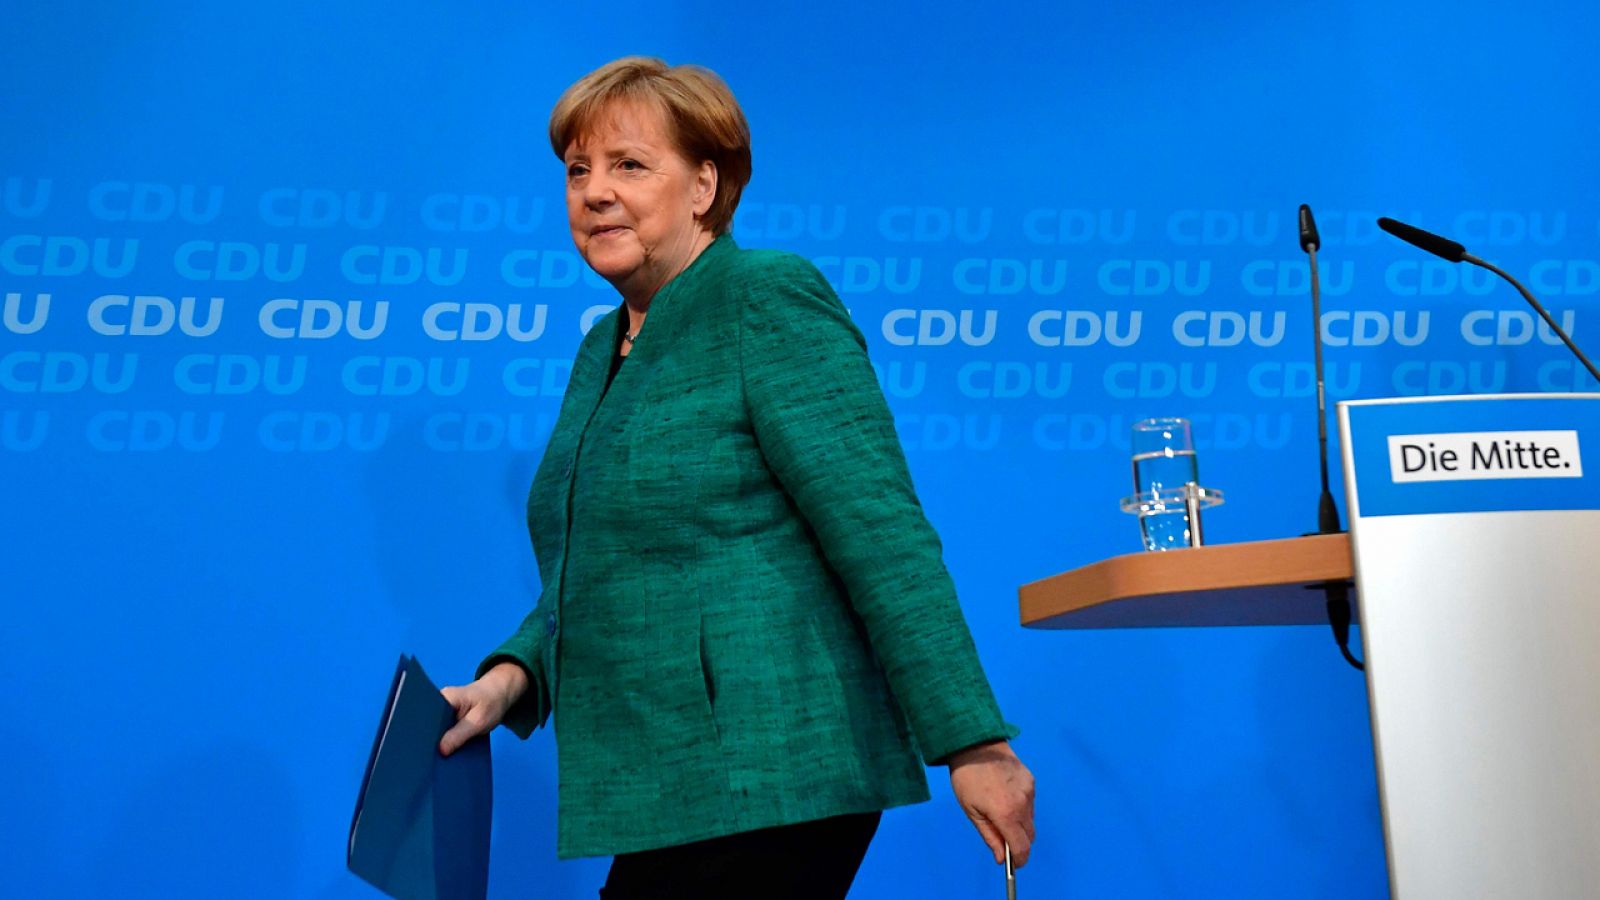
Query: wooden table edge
(1312, 558)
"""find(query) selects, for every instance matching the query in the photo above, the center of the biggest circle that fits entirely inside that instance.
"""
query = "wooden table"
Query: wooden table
(1255, 583)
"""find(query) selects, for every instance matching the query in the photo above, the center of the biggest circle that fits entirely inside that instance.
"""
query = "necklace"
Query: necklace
(629, 337)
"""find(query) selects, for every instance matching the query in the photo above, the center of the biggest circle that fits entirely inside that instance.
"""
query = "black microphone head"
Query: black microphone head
(1442, 247)
(1309, 240)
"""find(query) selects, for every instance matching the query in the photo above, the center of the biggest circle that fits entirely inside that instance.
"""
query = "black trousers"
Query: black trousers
(807, 861)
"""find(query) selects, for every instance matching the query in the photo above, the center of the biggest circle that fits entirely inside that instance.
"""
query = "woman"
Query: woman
(746, 632)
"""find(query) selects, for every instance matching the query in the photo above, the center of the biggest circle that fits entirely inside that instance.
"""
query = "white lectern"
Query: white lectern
(1475, 530)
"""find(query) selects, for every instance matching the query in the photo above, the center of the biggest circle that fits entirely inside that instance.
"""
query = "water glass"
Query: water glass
(1163, 455)
(1167, 496)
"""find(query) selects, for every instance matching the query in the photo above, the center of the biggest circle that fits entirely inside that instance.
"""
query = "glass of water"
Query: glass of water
(1167, 496)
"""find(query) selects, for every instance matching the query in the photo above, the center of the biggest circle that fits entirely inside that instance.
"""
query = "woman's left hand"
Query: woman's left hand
(996, 792)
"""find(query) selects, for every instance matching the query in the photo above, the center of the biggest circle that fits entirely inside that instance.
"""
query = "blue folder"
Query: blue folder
(421, 825)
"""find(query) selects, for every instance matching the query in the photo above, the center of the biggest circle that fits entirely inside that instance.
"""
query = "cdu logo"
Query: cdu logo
(202, 260)
(321, 319)
(147, 315)
(481, 212)
(143, 201)
(66, 372)
(318, 208)
(61, 255)
(938, 327)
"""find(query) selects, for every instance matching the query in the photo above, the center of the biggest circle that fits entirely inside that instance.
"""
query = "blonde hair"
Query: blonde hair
(704, 119)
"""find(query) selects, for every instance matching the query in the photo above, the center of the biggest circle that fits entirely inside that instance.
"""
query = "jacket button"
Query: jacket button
(550, 624)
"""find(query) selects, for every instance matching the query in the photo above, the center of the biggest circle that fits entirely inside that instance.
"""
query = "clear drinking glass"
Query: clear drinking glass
(1163, 455)
(1167, 495)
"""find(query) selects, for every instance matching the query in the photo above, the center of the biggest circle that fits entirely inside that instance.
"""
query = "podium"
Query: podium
(1475, 547)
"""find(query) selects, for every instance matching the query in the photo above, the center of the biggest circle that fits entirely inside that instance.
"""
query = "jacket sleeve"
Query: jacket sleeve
(827, 434)
(526, 648)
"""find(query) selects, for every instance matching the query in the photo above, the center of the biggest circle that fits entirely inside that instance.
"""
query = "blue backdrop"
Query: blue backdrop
(289, 303)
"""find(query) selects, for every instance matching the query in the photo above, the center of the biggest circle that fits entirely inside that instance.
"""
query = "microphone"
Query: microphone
(1309, 241)
(1444, 248)
(1337, 593)
(1450, 251)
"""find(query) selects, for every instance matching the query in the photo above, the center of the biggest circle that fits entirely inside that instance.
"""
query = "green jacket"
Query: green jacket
(745, 620)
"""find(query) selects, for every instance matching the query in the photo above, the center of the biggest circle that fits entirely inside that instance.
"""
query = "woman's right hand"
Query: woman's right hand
(482, 704)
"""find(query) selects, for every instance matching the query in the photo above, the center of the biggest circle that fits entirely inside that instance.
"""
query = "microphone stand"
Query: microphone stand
(1538, 308)
(1336, 593)
(1327, 512)
(1451, 251)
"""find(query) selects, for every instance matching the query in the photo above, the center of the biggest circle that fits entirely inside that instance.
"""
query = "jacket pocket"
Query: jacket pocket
(708, 684)
(705, 671)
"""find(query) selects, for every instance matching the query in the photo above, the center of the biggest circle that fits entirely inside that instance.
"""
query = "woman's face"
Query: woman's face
(633, 201)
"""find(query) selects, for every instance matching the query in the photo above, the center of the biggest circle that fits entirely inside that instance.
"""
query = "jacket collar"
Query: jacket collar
(653, 342)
